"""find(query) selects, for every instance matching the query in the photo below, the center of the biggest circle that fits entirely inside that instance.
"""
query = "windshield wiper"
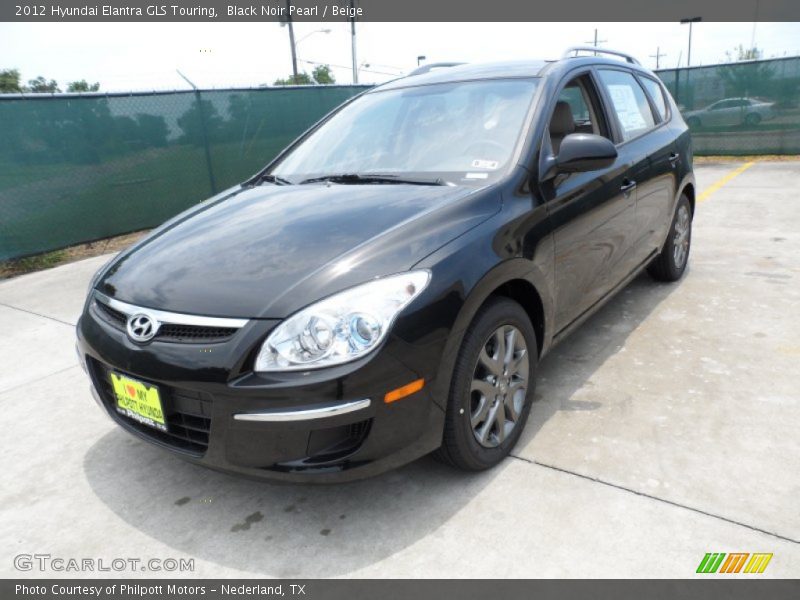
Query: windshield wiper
(276, 179)
(356, 178)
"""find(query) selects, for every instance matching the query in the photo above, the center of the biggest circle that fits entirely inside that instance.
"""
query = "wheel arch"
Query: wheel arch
(517, 279)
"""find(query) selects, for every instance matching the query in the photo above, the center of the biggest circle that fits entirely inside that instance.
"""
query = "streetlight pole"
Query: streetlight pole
(353, 39)
(291, 38)
(690, 21)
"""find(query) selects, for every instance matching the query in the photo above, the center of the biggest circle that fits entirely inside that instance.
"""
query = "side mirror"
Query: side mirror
(585, 152)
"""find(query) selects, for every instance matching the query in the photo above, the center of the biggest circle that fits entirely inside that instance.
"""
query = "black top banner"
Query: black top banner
(400, 10)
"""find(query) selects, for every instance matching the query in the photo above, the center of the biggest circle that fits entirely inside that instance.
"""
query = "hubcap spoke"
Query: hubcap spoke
(500, 422)
(479, 416)
(484, 432)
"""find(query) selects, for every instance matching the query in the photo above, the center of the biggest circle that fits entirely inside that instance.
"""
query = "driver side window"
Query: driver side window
(577, 111)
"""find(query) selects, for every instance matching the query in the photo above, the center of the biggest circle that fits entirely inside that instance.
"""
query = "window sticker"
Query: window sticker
(630, 117)
(480, 163)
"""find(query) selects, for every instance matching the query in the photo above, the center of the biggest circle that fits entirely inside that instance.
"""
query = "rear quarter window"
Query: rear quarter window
(656, 95)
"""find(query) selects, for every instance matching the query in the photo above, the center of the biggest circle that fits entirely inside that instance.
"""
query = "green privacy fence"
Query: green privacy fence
(76, 168)
(750, 107)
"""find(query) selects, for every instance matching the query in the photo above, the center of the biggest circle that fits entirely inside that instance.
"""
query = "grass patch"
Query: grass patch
(48, 260)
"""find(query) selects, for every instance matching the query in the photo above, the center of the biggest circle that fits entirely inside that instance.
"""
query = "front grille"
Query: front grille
(169, 332)
(187, 413)
(194, 333)
(113, 316)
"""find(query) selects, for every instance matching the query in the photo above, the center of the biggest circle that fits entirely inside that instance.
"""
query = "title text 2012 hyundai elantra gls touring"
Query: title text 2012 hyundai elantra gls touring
(387, 285)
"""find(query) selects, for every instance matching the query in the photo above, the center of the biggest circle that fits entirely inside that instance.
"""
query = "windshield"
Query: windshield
(461, 132)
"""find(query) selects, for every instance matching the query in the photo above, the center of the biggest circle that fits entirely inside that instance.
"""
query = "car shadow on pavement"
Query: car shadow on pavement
(569, 367)
(331, 530)
(274, 529)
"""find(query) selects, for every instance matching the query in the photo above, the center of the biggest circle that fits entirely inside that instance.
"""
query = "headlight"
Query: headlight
(341, 328)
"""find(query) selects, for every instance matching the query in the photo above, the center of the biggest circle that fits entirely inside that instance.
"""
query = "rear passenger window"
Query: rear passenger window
(629, 101)
(656, 95)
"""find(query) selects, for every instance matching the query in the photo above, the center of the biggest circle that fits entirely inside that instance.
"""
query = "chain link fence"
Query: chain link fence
(741, 108)
(75, 168)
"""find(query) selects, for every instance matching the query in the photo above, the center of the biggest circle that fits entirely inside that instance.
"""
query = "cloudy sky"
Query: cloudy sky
(136, 56)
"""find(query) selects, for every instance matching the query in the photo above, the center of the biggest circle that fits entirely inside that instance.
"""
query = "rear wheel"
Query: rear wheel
(670, 264)
(752, 119)
(492, 387)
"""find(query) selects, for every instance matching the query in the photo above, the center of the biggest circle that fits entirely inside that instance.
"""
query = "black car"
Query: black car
(387, 285)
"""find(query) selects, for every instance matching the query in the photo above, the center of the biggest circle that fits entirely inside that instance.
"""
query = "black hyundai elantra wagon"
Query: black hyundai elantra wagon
(386, 286)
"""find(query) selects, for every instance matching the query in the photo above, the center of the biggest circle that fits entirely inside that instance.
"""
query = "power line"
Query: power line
(313, 62)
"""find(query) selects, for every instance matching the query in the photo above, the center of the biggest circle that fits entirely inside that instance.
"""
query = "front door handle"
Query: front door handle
(628, 186)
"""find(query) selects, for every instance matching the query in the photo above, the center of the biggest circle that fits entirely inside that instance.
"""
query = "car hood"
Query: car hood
(267, 251)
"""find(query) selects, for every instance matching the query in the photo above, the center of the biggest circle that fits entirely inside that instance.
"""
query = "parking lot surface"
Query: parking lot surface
(666, 427)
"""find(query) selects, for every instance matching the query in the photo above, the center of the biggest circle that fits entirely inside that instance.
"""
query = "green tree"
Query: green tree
(741, 53)
(41, 85)
(82, 86)
(9, 81)
(322, 74)
(301, 79)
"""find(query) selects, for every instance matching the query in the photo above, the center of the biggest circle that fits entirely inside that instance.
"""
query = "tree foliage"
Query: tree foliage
(321, 75)
(82, 86)
(9, 81)
(40, 85)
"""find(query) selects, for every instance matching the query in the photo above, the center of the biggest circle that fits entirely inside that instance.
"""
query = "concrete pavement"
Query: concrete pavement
(665, 428)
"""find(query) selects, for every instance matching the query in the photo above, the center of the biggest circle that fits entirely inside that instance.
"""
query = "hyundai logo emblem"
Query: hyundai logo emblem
(142, 328)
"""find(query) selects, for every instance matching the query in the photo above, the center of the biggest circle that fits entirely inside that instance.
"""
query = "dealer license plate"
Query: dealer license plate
(138, 401)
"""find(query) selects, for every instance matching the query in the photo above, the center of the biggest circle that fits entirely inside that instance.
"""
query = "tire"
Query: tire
(513, 392)
(671, 262)
(752, 119)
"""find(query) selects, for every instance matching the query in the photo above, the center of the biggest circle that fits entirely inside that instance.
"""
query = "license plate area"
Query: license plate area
(138, 400)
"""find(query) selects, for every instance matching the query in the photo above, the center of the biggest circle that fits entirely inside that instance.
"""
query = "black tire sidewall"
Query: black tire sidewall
(470, 454)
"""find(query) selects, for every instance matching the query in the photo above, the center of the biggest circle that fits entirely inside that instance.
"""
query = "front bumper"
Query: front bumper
(325, 426)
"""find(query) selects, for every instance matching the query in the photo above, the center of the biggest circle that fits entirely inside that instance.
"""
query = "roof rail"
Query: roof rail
(568, 53)
(430, 67)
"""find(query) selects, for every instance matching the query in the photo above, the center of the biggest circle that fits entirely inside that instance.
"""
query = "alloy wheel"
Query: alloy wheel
(499, 386)
(680, 243)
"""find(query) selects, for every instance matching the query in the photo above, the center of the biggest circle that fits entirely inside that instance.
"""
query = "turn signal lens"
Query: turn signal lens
(406, 390)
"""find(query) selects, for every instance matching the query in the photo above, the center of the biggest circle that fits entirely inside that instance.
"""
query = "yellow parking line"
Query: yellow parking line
(722, 181)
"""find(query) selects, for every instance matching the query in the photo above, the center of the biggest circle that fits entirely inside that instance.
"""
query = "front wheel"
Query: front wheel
(670, 264)
(492, 387)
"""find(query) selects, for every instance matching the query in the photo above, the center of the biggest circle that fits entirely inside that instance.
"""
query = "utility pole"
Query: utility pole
(353, 39)
(690, 21)
(291, 38)
(596, 42)
(657, 56)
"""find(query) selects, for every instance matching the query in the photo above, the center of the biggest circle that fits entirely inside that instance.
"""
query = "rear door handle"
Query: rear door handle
(627, 187)
(674, 158)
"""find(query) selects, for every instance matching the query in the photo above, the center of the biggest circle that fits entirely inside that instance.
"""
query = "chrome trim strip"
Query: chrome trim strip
(171, 318)
(305, 414)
